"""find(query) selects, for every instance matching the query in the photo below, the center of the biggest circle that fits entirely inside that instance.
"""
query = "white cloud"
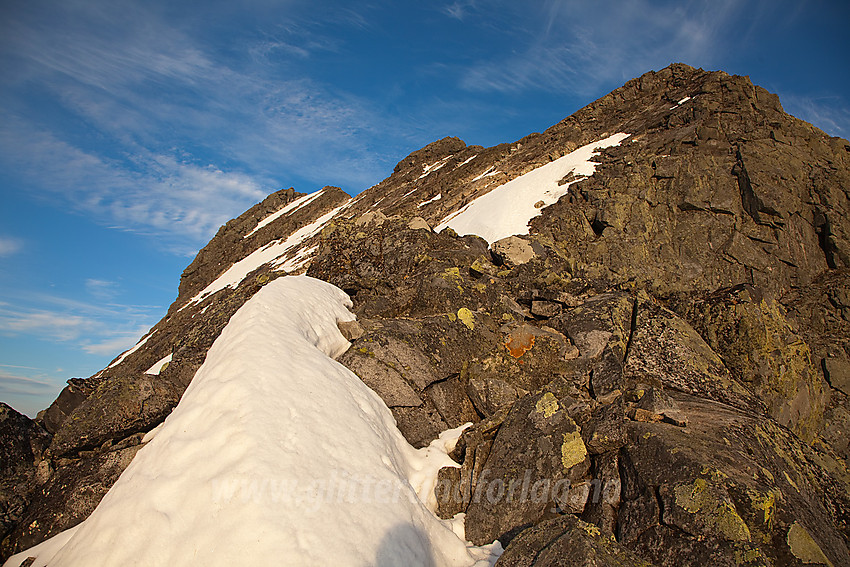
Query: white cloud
(15, 384)
(117, 344)
(18, 367)
(459, 10)
(831, 113)
(98, 328)
(183, 138)
(27, 393)
(153, 193)
(578, 47)
(104, 290)
(46, 324)
(10, 246)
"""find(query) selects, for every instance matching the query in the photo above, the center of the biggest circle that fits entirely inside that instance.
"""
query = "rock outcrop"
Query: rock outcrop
(657, 372)
(22, 444)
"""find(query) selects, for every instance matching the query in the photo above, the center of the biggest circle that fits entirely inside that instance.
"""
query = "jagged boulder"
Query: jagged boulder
(118, 408)
(69, 398)
(415, 366)
(727, 489)
(22, 444)
(535, 456)
(665, 350)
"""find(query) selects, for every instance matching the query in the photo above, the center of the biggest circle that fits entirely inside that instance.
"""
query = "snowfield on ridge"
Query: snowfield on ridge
(507, 209)
(276, 454)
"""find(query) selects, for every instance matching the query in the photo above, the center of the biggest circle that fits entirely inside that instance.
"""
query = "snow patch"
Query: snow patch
(466, 161)
(487, 173)
(44, 551)
(681, 102)
(275, 455)
(158, 366)
(291, 207)
(152, 433)
(429, 201)
(139, 345)
(299, 260)
(507, 209)
(274, 252)
(429, 169)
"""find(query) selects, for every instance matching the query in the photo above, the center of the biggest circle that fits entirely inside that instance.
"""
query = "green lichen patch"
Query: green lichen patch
(748, 555)
(547, 405)
(766, 503)
(590, 529)
(452, 275)
(804, 547)
(721, 515)
(466, 317)
(692, 498)
(730, 524)
(573, 450)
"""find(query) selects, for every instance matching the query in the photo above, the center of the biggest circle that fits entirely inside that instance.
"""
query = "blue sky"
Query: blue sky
(131, 130)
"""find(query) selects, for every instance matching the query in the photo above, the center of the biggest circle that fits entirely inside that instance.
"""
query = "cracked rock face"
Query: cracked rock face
(656, 374)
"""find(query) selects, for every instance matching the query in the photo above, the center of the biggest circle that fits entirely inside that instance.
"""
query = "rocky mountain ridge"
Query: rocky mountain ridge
(674, 330)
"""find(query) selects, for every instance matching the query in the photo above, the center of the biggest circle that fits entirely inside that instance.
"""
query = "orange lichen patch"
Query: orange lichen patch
(519, 342)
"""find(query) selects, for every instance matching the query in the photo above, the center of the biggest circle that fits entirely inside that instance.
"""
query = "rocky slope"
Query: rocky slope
(658, 373)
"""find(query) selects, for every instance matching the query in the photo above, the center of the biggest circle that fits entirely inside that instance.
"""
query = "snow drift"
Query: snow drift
(276, 454)
(507, 209)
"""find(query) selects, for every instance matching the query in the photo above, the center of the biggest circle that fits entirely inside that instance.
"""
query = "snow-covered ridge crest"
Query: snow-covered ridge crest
(235, 474)
(285, 254)
(298, 203)
(507, 209)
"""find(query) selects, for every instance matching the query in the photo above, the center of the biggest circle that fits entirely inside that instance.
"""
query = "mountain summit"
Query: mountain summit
(621, 341)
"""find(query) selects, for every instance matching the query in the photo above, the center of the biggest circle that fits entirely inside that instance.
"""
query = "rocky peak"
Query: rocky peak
(432, 153)
(253, 229)
(656, 366)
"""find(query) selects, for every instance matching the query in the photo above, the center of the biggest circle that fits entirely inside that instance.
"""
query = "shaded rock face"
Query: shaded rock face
(22, 444)
(72, 491)
(659, 373)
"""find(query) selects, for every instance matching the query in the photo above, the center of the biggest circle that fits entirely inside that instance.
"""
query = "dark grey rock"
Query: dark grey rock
(536, 455)
(22, 445)
(566, 540)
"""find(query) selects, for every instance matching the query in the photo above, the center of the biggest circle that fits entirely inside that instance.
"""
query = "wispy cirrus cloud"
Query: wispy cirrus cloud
(10, 245)
(578, 47)
(830, 113)
(97, 328)
(113, 345)
(147, 193)
(59, 326)
(26, 389)
(459, 10)
(105, 290)
(47, 324)
(180, 137)
(13, 384)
